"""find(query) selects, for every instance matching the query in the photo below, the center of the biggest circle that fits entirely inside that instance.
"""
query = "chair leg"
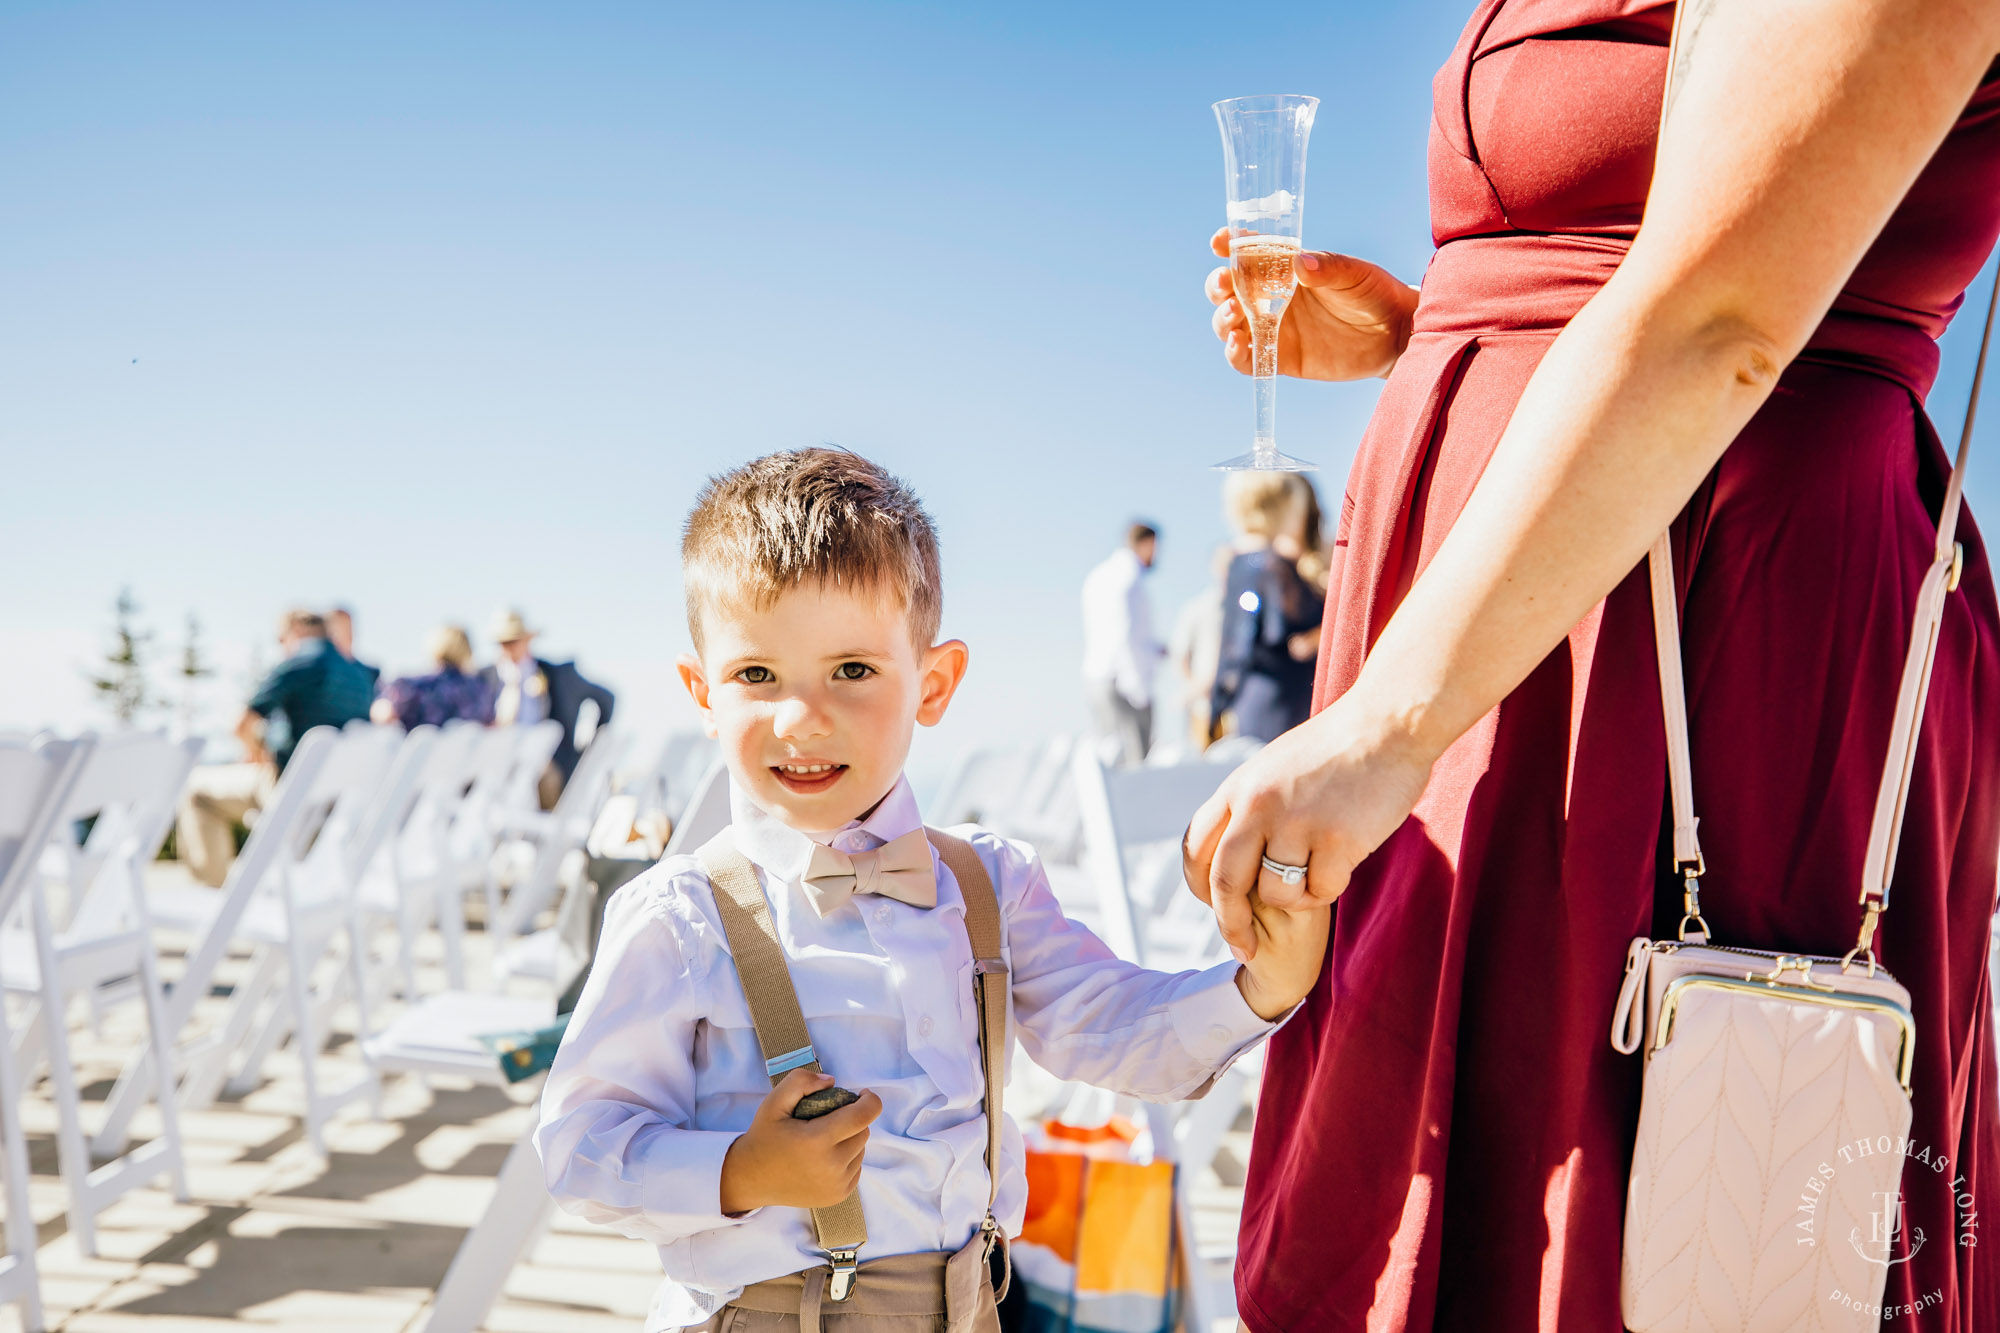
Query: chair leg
(305, 1040)
(516, 1217)
(199, 1078)
(28, 1045)
(451, 925)
(493, 905)
(20, 1270)
(126, 1095)
(72, 1156)
(272, 1031)
(363, 1029)
(244, 1007)
(163, 1064)
(406, 949)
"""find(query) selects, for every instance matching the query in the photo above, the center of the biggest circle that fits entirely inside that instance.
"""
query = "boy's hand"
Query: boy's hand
(1291, 946)
(780, 1161)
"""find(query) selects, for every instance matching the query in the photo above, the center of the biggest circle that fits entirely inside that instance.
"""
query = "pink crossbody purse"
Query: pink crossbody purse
(1775, 1111)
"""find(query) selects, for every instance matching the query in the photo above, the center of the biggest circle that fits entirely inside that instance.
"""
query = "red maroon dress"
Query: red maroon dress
(1445, 1131)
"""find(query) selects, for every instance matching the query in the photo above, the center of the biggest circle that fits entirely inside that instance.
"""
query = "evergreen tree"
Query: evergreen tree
(122, 686)
(194, 669)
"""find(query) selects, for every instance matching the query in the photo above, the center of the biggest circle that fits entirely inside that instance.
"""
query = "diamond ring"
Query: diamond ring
(1289, 874)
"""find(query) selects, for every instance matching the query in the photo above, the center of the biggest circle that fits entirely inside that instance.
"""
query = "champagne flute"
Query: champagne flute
(1264, 162)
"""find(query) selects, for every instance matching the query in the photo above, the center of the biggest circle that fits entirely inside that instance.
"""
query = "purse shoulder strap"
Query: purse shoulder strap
(1892, 797)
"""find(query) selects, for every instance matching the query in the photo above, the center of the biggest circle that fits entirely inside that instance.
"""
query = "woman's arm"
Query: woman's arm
(1794, 131)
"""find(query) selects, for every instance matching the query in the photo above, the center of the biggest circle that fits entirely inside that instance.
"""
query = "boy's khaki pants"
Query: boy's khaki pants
(906, 1293)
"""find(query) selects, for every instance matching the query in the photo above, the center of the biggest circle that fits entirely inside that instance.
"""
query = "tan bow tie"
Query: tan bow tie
(899, 869)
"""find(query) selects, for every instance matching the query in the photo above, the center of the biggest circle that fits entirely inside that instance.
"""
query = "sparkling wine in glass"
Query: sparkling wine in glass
(1264, 164)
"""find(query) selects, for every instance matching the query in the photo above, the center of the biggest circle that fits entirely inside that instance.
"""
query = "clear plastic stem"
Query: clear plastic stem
(1264, 440)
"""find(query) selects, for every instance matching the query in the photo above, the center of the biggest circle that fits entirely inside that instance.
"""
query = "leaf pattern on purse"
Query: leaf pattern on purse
(1746, 1104)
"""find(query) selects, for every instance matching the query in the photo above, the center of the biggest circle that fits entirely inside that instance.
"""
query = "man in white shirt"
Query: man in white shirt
(813, 602)
(1120, 652)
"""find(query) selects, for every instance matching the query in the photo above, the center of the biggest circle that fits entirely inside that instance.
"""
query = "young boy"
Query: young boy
(813, 599)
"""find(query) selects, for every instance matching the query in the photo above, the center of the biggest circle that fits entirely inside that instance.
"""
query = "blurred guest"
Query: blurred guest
(450, 692)
(1195, 647)
(340, 633)
(314, 686)
(1306, 544)
(1120, 652)
(528, 689)
(1270, 614)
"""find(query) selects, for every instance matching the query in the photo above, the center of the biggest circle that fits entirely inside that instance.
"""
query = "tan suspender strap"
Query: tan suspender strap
(989, 987)
(774, 1009)
(781, 1025)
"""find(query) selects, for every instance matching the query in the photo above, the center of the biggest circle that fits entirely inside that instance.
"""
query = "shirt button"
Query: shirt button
(881, 911)
(1219, 1032)
(924, 1026)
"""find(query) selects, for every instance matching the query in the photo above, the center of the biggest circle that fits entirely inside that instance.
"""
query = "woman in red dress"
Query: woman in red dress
(1445, 1131)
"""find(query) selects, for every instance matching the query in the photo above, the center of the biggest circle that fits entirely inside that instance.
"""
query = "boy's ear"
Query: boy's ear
(696, 682)
(943, 668)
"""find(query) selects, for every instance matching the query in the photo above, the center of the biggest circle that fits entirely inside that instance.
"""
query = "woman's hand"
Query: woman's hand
(1348, 320)
(1323, 795)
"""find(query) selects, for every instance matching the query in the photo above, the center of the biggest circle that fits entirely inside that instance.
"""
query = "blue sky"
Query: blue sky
(437, 308)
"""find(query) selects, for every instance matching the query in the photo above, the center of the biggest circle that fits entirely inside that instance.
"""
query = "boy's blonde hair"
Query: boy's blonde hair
(825, 516)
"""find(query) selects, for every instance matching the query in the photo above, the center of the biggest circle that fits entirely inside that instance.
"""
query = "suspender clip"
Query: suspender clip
(842, 1284)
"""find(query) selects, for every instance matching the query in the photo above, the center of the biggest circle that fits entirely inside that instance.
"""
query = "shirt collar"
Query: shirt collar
(785, 852)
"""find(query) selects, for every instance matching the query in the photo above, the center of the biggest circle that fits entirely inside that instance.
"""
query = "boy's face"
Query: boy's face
(815, 697)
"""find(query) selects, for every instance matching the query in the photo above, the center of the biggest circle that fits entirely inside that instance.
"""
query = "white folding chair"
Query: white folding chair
(983, 788)
(413, 882)
(1048, 817)
(504, 792)
(127, 788)
(706, 813)
(553, 835)
(35, 777)
(441, 1036)
(664, 787)
(289, 897)
(1133, 819)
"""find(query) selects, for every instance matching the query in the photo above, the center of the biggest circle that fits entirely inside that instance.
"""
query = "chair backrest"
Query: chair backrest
(127, 789)
(35, 778)
(987, 785)
(511, 765)
(443, 785)
(399, 793)
(453, 762)
(679, 766)
(336, 836)
(1133, 819)
(568, 828)
(706, 814)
